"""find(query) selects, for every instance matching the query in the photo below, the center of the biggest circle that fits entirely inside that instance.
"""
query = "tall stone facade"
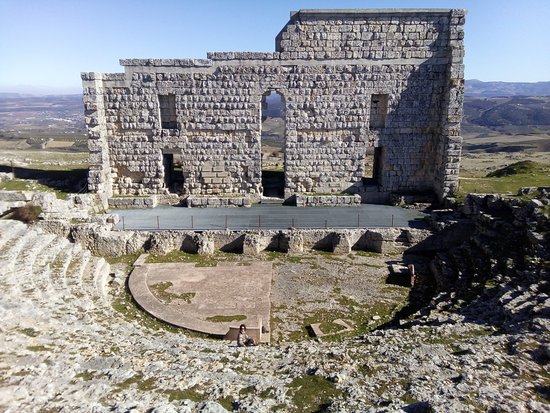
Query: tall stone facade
(385, 83)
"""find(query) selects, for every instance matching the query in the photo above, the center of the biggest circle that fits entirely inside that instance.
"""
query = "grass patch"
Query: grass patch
(27, 214)
(227, 403)
(191, 393)
(30, 332)
(518, 168)
(142, 385)
(128, 259)
(312, 394)
(368, 253)
(180, 256)
(85, 375)
(268, 393)
(360, 315)
(331, 328)
(226, 318)
(30, 185)
(38, 348)
(507, 180)
(245, 391)
(124, 305)
(159, 290)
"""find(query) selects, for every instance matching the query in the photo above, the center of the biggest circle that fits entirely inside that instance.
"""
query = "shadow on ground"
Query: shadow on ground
(67, 180)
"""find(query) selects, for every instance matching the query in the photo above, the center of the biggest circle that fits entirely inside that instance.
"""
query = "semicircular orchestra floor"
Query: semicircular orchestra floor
(211, 300)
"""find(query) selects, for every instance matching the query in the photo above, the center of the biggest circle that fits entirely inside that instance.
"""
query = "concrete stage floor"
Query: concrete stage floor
(200, 298)
(268, 216)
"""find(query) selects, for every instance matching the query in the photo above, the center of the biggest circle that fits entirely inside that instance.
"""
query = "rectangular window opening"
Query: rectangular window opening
(167, 105)
(378, 111)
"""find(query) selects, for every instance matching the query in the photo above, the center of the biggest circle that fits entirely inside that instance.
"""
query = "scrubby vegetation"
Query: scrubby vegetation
(27, 214)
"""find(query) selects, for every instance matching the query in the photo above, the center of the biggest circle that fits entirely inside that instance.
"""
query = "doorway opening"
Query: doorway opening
(273, 144)
(373, 165)
(173, 175)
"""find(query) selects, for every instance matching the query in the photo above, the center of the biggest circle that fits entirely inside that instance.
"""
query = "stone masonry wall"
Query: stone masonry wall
(327, 67)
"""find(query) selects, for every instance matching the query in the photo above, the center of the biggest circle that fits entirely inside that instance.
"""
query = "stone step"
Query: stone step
(93, 278)
(16, 247)
(10, 230)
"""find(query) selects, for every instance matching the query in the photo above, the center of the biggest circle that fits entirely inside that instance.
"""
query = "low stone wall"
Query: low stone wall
(75, 206)
(217, 202)
(103, 241)
(132, 202)
(16, 196)
(327, 200)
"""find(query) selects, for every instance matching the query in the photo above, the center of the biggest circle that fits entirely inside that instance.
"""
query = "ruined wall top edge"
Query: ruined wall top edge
(329, 35)
(324, 13)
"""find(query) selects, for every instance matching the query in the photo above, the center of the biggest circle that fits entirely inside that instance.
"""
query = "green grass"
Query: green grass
(124, 305)
(128, 259)
(85, 375)
(312, 394)
(359, 314)
(142, 384)
(368, 253)
(227, 403)
(507, 180)
(30, 332)
(226, 318)
(38, 348)
(518, 168)
(198, 260)
(30, 185)
(159, 291)
(331, 328)
(192, 393)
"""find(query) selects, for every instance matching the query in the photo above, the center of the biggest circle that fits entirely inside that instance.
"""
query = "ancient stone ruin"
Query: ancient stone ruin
(382, 87)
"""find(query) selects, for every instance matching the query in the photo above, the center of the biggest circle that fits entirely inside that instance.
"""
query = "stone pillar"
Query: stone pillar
(99, 176)
(449, 149)
(295, 242)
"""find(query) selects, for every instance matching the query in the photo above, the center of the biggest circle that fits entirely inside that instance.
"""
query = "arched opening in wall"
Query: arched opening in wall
(273, 144)
(173, 175)
(373, 165)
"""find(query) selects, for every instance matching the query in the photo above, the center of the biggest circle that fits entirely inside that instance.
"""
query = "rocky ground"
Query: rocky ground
(74, 342)
(319, 287)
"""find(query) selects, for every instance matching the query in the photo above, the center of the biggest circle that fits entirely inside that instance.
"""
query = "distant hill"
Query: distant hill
(515, 114)
(478, 88)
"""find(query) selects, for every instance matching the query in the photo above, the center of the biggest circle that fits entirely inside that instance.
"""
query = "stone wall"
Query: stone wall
(329, 67)
(102, 241)
(508, 241)
(327, 200)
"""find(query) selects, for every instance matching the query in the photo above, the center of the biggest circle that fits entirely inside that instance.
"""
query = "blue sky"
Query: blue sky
(47, 43)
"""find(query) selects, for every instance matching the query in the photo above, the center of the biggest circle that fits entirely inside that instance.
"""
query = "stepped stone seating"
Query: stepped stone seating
(64, 347)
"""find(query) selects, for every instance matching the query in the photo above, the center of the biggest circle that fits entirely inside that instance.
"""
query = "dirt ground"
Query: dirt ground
(484, 154)
(322, 287)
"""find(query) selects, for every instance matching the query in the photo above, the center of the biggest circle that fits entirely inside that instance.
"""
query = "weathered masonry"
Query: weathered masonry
(385, 84)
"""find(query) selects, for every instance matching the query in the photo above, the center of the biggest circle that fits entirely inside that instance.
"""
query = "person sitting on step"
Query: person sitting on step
(243, 339)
